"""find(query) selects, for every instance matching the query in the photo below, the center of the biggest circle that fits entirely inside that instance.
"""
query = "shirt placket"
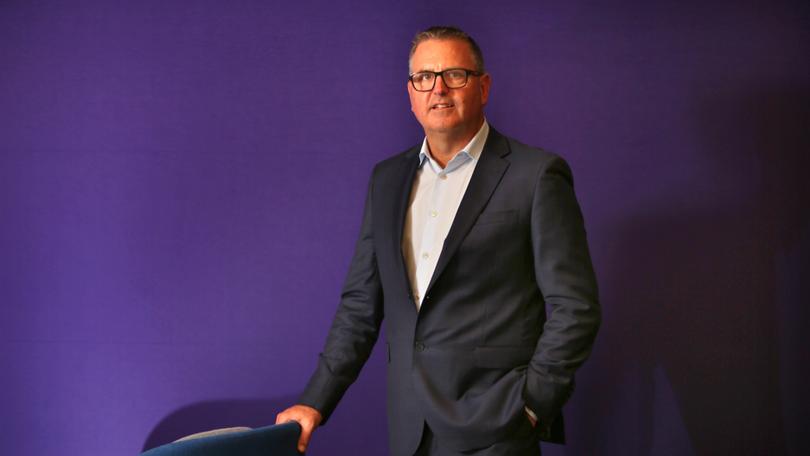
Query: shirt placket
(428, 252)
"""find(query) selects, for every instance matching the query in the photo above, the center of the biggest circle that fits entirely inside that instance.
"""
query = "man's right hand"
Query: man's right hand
(307, 417)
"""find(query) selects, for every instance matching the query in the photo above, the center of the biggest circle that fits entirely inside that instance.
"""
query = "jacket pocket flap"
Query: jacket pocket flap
(503, 357)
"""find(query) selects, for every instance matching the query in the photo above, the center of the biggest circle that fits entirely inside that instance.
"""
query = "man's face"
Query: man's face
(443, 110)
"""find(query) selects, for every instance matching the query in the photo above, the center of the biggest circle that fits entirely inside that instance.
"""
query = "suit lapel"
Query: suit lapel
(402, 186)
(488, 173)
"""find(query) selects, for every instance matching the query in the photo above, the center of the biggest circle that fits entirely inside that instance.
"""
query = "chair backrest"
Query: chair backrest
(278, 440)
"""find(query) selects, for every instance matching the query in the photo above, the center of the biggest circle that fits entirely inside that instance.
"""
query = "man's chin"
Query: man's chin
(443, 127)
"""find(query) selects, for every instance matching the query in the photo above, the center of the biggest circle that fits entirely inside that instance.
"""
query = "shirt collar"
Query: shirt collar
(472, 150)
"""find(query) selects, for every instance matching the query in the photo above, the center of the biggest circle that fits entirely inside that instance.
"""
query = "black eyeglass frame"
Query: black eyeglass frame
(436, 74)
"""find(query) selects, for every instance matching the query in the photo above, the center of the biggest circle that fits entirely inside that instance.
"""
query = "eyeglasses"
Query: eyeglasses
(454, 78)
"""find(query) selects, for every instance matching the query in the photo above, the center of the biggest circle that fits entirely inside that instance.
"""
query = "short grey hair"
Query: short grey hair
(446, 32)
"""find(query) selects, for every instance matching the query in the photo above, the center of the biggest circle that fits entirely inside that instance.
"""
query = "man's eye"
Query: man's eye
(424, 77)
(455, 75)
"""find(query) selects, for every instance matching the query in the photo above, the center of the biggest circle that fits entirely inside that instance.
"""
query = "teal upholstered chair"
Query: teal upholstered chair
(278, 440)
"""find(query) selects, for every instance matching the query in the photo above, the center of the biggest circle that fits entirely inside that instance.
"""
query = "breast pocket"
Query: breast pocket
(492, 232)
(496, 217)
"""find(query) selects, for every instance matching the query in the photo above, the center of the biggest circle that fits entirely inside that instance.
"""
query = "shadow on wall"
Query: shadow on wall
(697, 291)
(204, 416)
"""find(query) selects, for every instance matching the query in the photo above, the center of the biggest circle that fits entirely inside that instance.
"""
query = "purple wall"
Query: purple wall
(181, 186)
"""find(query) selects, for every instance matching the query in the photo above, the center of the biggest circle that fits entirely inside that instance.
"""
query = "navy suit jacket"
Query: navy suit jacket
(509, 315)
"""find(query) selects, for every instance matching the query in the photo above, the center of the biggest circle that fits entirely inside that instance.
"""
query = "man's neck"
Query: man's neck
(445, 145)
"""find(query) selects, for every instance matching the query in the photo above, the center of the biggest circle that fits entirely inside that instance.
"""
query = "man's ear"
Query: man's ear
(486, 83)
(410, 90)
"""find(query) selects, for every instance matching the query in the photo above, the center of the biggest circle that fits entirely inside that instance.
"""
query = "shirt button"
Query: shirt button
(443, 176)
(425, 256)
(433, 213)
(419, 346)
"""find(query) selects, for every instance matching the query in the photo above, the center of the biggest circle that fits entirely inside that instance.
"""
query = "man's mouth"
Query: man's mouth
(442, 106)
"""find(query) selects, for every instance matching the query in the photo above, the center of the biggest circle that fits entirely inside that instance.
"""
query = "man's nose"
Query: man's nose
(439, 87)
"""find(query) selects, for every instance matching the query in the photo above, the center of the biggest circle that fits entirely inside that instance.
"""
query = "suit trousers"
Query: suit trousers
(524, 442)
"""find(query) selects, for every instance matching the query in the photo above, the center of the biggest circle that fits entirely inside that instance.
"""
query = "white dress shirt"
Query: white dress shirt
(435, 197)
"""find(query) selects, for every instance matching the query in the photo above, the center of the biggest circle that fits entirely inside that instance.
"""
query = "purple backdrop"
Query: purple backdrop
(181, 186)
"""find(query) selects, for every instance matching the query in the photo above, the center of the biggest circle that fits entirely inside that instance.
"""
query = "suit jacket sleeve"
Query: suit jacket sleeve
(566, 280)
(355, 327)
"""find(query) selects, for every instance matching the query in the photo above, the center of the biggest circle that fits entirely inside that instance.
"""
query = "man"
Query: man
(465, 240)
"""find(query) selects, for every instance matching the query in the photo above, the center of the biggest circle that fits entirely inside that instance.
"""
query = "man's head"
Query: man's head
(456, 111)
(447, 33)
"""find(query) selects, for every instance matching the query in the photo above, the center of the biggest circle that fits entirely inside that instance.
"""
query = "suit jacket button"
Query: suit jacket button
(419, 346)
